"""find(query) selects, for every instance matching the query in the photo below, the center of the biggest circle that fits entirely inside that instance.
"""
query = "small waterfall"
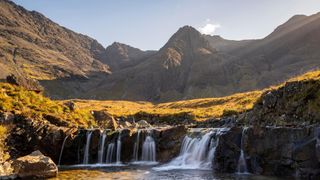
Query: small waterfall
(242, 164)
(196, 152)
(110, 151)
(62, 147)
(101, 151)
(136, 147)
(87, 148)
(118, 155)
(149, 149)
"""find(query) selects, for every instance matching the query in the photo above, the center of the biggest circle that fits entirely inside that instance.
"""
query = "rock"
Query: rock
(29, 84)
(228, 151)
(269, 100)
(6, 117)
(71, 105)
(55, 120)
(35, 165)
(169, 142)
(5, 169)
(105, 120)
(143, 124)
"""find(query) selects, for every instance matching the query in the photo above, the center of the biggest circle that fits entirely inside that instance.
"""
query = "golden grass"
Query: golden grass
(3, 135)
(201, 109)
(30, 104)
(20, 101)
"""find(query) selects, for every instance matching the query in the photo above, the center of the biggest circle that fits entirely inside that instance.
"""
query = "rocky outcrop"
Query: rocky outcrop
(228, 151)
(105, 120)
(35, 165)
(295, 105)
(169, 143)
(27, 83)
(27, 135)
(276, 151)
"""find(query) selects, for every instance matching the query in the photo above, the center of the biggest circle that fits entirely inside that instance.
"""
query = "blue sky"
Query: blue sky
(148, 24)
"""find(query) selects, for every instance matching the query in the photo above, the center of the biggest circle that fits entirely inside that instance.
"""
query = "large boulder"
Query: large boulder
(35, 165)
(105, 120)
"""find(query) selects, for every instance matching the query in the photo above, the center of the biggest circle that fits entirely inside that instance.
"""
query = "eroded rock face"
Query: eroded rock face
(27, 135)
(282, 151)
(169, 143)
(276, 151)
(228, 151)
(35, 165)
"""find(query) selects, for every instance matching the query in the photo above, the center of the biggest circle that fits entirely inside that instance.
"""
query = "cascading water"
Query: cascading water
(101, 151)
(136, 147)
(242, 164)
(196, 152)
(118, 155)
(87, 148)
(62, 147)
(110, 151)
(149, 149)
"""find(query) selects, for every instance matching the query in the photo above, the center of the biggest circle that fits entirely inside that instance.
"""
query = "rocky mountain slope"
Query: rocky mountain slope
(34, 46)
(120, 56)
(190, 65)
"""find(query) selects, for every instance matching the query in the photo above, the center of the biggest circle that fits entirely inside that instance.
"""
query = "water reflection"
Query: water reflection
(146, 173)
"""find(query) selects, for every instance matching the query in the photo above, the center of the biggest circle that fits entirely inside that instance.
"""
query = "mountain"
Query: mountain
(190, 65)
(34, 46)
(166, 75)
(120, 56)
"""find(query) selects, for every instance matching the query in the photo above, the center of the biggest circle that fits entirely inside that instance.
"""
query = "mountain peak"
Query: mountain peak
(188, 38)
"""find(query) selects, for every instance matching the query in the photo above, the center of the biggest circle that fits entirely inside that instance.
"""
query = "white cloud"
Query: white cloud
(209, 28)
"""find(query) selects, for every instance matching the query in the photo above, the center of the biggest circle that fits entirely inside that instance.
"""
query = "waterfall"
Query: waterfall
(196, 152)
(149, 149)
(87, 148)
(136, 147)
(242, 164)
(110, 151)
(101, 151)
(118, 155)
(62, 147)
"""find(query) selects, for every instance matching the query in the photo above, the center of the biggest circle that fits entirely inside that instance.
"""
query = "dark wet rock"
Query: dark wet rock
(35, 165)
(282, 151)
(27, 135)
(228, 151)
(169, 142)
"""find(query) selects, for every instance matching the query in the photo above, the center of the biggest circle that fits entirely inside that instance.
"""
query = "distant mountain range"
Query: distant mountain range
(189, 65)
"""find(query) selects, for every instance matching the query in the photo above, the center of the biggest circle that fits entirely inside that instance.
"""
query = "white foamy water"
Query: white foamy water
(196, 152)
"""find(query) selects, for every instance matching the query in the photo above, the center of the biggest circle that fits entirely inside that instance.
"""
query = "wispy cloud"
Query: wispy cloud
(209, 28)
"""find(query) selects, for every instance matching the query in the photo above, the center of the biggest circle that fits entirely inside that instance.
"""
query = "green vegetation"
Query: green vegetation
(30, 104)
